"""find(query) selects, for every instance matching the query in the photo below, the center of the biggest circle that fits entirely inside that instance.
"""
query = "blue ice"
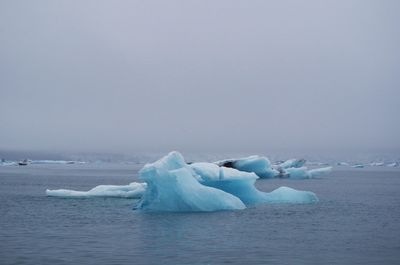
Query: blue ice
(172, 185)
(173, 188)
(262, 167)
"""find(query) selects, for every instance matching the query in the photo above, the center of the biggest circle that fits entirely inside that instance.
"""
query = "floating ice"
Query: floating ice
(133, 190)
(8, 163)
(294, 169)
(303, 173)
(358, 166)
(52, 162)
(261, 166)
(292, 163)
(315, 163)
(241, 184)
(211, 172)
(297, 173)
(343, 164)
(233, 181)
(173, 187)
(319, 171)
(377, 164)
(394, 164)
(289, 195)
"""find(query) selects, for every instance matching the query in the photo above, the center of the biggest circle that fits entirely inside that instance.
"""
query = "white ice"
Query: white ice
(317, 172)
(394, 164)
(292, 163)
(377, 164)
(8, 163)
(289, 195)
(133, 190)
(304, 173)
(51, 162)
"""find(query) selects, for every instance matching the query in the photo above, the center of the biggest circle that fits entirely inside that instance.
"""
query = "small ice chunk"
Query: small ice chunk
(289, 195)
(293, 163)
(377, 164)
(8, 163)
(133, 190)
(319, 171)
(304, 173)
(63, 162)
(297, 173)
(208, 171)
(259, 165)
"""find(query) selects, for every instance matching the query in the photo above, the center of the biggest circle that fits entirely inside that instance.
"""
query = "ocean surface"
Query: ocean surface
(357, 221)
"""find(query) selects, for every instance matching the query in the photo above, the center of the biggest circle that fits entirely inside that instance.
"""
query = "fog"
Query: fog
(123, 76)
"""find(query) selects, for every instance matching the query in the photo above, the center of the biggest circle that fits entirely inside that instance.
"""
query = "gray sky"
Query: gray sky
(123, 76)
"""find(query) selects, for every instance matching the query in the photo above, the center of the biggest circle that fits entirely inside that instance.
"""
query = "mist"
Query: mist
(123, 76)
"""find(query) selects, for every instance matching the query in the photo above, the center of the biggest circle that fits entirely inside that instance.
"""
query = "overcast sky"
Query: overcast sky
(123, 76)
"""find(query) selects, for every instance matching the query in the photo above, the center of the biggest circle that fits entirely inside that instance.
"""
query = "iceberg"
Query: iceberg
(133, 190)
(172, 187)
(358, 166)
(241, 184)
(233, 181)
(262, 167)
(259, 165)
(175, 186)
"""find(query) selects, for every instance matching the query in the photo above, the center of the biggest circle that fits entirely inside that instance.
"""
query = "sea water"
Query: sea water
(356, 221)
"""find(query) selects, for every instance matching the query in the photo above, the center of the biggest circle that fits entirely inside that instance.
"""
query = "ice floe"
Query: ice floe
(174, 185)
(133, 190)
